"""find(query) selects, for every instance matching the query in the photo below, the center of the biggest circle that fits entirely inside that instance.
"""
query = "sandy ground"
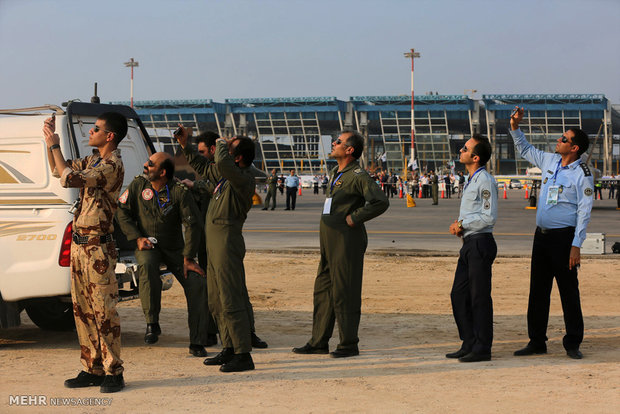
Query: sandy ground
(406, 329)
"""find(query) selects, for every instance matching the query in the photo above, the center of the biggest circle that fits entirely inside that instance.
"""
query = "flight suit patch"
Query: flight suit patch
(123, 197)
(147, 194)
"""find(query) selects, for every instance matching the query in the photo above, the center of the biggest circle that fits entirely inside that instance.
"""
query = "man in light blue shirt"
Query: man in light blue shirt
(561, 219)
(291, 182)
(472, 305)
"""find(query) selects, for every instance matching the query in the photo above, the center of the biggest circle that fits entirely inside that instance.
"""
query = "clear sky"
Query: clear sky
(52, 51)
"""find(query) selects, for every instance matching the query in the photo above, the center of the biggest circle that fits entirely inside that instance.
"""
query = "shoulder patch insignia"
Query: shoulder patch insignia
(339, 182)
(123, 197)
(588, 192)
(486, 194)
(147, 194)
(586, 170)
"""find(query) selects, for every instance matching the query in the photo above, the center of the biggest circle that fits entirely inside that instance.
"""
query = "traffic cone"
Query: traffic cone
(526, 193)
(505, 195)
(400, 191)
(300, 190)
(443, 191)
(420, 195)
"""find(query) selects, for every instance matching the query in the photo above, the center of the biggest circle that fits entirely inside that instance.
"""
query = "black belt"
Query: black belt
(477, 236)
(552, 231)
(77, 239)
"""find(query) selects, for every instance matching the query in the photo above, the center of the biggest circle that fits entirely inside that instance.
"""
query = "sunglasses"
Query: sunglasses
(565, 140)
(150, 163)
(97, 128)
(339, 141)
(465, 149)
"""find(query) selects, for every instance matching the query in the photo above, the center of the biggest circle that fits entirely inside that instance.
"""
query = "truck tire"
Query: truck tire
(51, 314)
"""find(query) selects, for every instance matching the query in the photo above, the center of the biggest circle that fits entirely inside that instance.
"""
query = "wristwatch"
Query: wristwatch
(460, 224)
(53, 147)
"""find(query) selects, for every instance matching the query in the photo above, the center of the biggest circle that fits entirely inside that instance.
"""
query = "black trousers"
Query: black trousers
(472, 305)
(550, 255)
(291, 197)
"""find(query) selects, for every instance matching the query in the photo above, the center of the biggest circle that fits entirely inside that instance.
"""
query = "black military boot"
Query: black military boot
(239, 362)
(226, 355)
(112, 383)
(84, 379)
(257, 342)
(197, 350)
(152, 333)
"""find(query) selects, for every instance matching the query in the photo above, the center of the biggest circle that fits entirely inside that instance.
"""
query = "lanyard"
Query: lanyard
(96, 163)
(334, 182)
(472, 177)
(167, 197)
(557, 168)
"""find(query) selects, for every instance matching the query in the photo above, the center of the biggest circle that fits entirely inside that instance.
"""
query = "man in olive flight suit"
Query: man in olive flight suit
(151, 212)
(352, 199)
(231, 181)
(272, 182)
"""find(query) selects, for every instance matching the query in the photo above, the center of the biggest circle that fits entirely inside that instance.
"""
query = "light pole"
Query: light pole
(131, 64)
(412, 55)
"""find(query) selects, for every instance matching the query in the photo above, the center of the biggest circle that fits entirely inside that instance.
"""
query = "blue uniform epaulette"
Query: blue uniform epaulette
(586, 170)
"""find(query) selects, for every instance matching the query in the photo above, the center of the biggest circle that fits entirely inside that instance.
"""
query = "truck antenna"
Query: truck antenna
(95, 98)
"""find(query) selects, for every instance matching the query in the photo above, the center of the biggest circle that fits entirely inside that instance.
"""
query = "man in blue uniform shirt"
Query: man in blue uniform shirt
(561, 219)
(291, 182)
(471, 292)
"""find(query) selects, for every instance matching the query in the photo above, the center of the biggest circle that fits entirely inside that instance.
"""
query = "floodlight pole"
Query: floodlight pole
(412, 55)
(131, 64)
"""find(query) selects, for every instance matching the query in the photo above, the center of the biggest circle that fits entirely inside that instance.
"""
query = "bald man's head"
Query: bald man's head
(159, 166)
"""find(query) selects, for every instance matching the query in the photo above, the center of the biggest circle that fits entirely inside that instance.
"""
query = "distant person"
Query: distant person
(324, 182)
(561, 219)
(292, 184)
(448, 184)
(272, 189)
(434, 179)
(612, 188)
(155, 205)
(472, 305)
(461, 180)
(353, 199)
(94, 290)
(315, 184)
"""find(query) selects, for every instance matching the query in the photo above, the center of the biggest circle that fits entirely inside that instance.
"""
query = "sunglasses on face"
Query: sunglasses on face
(565, 140)
(150, 163)
(339, 141)
(97, 128)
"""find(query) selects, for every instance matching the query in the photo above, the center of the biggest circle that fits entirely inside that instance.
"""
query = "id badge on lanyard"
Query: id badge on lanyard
(552, 195)
(327, 207)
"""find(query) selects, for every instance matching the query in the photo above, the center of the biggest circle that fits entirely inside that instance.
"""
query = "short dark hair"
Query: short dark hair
(581, 140)
(245, 148)
(355, 141)
(168, 165)
(116, 123)
(482, 148)
(208, 138)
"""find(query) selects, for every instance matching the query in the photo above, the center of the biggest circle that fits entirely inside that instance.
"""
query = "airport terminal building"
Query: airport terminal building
(295, 133)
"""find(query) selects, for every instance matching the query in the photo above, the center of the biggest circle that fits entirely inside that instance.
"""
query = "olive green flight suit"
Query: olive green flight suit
(338, 285)
(272, 182)
(232, 189)
(144, 212)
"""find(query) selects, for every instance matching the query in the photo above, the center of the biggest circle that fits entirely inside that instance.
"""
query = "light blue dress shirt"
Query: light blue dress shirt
(574, 202)
(479, 203)
(292, 181)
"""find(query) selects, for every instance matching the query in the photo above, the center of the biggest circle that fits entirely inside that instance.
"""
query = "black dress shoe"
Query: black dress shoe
(530, 350)
(225, 356)
(574, 353)
(273, 208)
(197, 350)
(238, 363)
(344, 353)
(460, 353)
(264, 208)
(84, 379)
(152, 333)
(309, 349)
(112, 383)
(257, 342)
(473, 357)
(211, 340)
(287, 209)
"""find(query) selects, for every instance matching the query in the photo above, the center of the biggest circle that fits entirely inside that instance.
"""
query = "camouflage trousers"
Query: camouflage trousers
(94, 292)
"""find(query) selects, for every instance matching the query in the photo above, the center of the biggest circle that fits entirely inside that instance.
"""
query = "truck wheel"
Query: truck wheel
(51, 314)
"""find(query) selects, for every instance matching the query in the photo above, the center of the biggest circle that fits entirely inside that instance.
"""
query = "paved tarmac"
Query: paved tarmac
(422, 229)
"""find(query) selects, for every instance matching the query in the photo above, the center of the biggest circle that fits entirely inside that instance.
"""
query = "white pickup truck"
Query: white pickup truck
(35, 222)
